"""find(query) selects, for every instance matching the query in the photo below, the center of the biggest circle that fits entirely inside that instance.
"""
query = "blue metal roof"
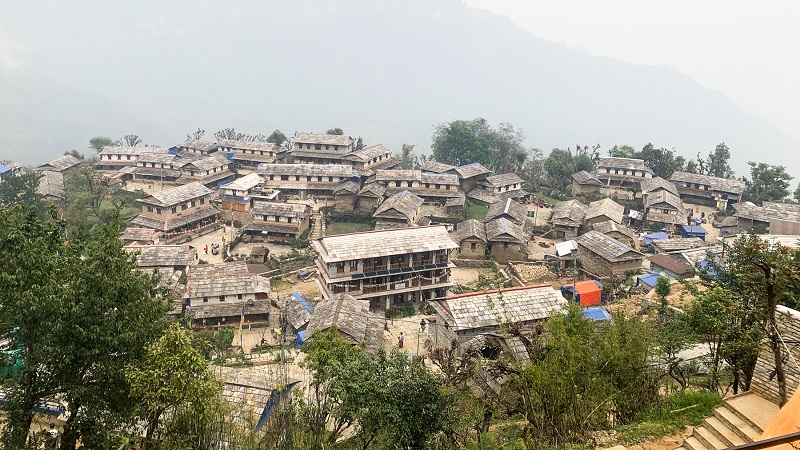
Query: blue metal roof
(649, 279)
(4, 169)
(693, 229)
(303, 302)
(649, 238)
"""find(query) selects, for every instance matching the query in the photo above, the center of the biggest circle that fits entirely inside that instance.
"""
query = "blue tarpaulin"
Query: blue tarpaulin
(648, 279)
(301, 337)
(649, 238)
(597, 313)
(303, 302)
(274, 400)
(708, 268)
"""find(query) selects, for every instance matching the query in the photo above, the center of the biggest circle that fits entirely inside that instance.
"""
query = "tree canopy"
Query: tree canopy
(457, 143)
(336, 131)
(766, 183)
(277, 137)
(98, 142)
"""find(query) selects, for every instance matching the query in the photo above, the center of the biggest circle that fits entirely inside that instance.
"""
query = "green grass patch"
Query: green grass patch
(475, 211)
(347, 227)
(668, 417)
(551, 200)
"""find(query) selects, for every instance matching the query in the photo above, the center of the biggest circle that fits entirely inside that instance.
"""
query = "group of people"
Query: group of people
(214, 247)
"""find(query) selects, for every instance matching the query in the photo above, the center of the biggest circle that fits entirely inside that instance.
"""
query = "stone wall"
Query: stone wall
(593, 264)
(476, 263)
(503, 255)
(764, 382)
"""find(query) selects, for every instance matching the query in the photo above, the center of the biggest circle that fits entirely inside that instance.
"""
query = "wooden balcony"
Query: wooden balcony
(374, 268)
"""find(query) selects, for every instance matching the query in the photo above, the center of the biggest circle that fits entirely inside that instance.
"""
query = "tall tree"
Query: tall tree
(663, 162)
(74, 153)
(336, 131)
(277, 137)
(406, 159)
(173, 379)
(717, 162)
(622, 151)
(797, 193)
(129, 140)
(457, 143)
(98, 142)
(767, 183)
(196, 134)
(22, 189)
(561, 164)
(359, 144)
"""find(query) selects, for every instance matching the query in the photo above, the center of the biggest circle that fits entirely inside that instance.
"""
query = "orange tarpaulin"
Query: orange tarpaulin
(787, 421)
(589, 293)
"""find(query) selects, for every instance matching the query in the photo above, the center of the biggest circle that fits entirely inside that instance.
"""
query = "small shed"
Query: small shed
(693, 231)
(587, 293)
(647, 281)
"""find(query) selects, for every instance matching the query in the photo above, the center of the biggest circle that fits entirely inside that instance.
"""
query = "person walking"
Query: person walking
(206, 249)
(400, 340)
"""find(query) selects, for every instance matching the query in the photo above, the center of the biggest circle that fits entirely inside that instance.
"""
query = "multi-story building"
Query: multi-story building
(197, 146)
(320, 148)
(621, 171)
(277, 221)
(210, 171)
(704, 188)
(115, 157)
(177, 210)
(370, 158)
(247, 155)
(304, 180)
(238, 194)
(221, 293)
(386, 267)
(431, 187)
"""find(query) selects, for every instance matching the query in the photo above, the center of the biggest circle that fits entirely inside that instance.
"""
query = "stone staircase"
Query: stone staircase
(318, 230)
(738, 420)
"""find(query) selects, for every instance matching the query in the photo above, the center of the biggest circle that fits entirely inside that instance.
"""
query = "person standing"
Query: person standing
(206, 249)
(51, 440)
(400, 340)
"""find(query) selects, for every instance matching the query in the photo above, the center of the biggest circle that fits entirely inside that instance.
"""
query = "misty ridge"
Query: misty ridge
(386, 71)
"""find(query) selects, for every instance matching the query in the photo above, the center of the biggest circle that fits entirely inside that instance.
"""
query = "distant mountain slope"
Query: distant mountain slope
(388, 71)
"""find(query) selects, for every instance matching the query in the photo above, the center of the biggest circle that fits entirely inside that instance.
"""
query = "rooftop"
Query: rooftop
(398, 175)
(405, 203)
(368, 153)
(210, 162)
(584, 177)
(372, 190)
(493, 308)
(648, 185)
(716, 183)
(198, 144)
(511, 209)
(323, 139)
(161, 255)
(298, 210)
(607, 247)
(437, 167)
(51, 184)
(312, 170)
(352, 319)
(610, 226)
(245, 183)
(348, 186)
(121, 150)
(216, 270)
(470, 228)
(471, 170)
(177, 194)
(373, 244)
(664, 197)
(504, 179)
(249, 145)
(439, 178)
(605, 207)
(622, 163)
(768, 211)
(676, 244)
(504, 230)
(61, 164)
(226, 284)
(675, 264)
(138, 234)
(569, 213)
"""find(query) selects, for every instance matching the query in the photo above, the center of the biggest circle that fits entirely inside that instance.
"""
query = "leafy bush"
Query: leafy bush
(301, 241)
(669, 416)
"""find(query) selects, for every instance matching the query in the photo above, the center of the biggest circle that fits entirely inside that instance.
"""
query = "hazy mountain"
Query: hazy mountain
(385, 70)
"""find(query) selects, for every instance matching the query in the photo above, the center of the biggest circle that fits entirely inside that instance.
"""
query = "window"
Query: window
(174, 209)
(271, 177)
(330, 178)
(408, 184)
(505, 245)
(222, 298)
(308, 178)
(427, 185)
(184, 207)
(149, 208)
(447, 186)
(202, 200)
(340, 267)
(205, 299)
(289, 219)
(473, 246)
(438, 186)
(158, 210)
(129, 157)
(277, 218)
(397, 184)
(284, 177)
(297, 178)
(353, 265)
(194, 203)
(153, 165)
(239, 296)
(319, 178)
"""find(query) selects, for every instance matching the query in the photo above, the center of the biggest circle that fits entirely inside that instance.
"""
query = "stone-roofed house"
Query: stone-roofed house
(372, 157)
(770, 217)
(510, 209)
(664, 207)
(398, 211)
(238, 194)
(585, 182)
(51, 186)
(10, 168)
(604, 210)
(61, 164)
(621, 171)
(464, 316)
(696, 187)
(139, 236)
(166, 258)
(503, 183)
(672, 245)
(606, 257)
(567, 218)
(674, 267)
(436, 167)
(297, 311)
(226, 291)
(345, 196)
(369, 197)
(247, 155)
(197, 146)
(470, 175)
(178, 210)
(507, 240)
(305, 180)
(162, 166)
(352, 319)
(434, 188)
(311, 148)
(277, 222)
(616, 231)
(210, 171)
(470, 235)
(116, 157)
(654, 185)
(386, 267)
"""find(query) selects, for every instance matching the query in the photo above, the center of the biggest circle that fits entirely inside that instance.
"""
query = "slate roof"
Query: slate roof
(648, 185)
(347, 187)
(323, 139)
(607, 247)
(61, 164)
(610, 226)
(210, 162)
(372, 190)
(176, 195)
(199, 144)
(461, 200)
(492, 308)
(675, 264)
(716, 183)
(766, 212)
(570, 213)
(664, 197)
(510, 208)
(675, 244)
(249, 145)
(133, 151)
(371, 244)
(161, 255)
(298, 310)
(239, 156)
(405, 203)
(352, 319)
(483, 196)
(51, 184)
(313, 170)
(271, 227)
(216, 270)
(165, 158)
(728, 222)
(622, 163)
(584, 177)
(471, 170)
(437, 167)
(504, 230)
(226, 284)
(170, 223)
(504, 179)
(368, 153)
(131, 234)
(470, 228)
(297, 210)
(605, 207)
(245, 183)
(439, 178)
(398, 175)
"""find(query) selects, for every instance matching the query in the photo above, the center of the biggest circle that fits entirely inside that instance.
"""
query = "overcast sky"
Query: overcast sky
(748, 50)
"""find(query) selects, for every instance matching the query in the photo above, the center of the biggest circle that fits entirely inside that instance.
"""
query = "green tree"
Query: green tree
(457, 143)
(717, 164)
(767, 183)
(22, 189)
(98, 142)
(663, 162)
(173, 379)
(337, 131)
(406, 159)
(622, 151)
(691, 166)
(797, 193)
(561, 164)
(708, 317)
(662, 290)
(74, 153)
(277, 137)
